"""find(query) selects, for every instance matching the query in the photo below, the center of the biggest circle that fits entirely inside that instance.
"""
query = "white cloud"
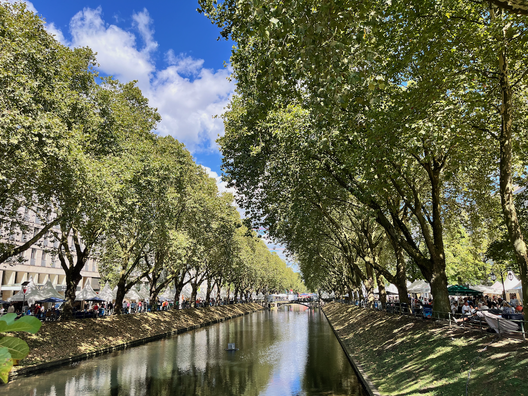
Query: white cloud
(222, 185)
(185, 65)
(117, 51)
(186, 94)
(53, 30)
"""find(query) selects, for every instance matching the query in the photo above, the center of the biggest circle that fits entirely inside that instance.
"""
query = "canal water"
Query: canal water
(287, 351)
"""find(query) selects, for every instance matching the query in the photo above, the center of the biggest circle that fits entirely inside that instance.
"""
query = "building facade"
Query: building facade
(39, 263)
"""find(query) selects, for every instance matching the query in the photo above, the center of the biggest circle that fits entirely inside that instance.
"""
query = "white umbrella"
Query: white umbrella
(47, 291)
(86, 293)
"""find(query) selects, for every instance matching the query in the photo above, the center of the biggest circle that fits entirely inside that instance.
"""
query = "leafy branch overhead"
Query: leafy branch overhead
(12, 348)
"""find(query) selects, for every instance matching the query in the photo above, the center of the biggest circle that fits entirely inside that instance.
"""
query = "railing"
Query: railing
(425, 313)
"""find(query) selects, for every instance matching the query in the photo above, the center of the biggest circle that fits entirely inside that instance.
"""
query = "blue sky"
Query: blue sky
(167, 46)
(170, 49)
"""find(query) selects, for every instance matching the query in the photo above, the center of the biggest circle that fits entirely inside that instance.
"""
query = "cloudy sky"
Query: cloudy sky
(170, 49)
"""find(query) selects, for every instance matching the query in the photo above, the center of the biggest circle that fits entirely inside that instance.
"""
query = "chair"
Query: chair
(427, 311)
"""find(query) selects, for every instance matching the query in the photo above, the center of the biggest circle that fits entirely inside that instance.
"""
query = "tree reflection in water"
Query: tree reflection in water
(287, 351)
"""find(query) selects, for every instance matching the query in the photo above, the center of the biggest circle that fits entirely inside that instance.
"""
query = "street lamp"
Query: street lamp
(24, 289)
(510, 274)
(493, 276)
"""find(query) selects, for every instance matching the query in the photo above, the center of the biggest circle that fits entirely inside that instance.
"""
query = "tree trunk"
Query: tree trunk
(235, 297)
(210, 287)
(381, 288)
(120, 296)
(506, 174)
(69, 294)
(153, 297)
(369, 285)
(439, 289)
(73, 277)
(194, 293)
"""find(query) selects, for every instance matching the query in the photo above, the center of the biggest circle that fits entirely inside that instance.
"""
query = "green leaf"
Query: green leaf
(274, 21)
(18, 349)
(29, 324)
(8, 318)
(6, 363)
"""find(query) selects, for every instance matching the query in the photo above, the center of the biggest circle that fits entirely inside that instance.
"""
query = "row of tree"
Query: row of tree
(78, 149)
(380, 138)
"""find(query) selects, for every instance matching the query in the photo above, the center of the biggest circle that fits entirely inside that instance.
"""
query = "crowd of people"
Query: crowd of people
(94, 309)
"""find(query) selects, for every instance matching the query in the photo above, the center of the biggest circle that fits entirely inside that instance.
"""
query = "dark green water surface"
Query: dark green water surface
(289, 351)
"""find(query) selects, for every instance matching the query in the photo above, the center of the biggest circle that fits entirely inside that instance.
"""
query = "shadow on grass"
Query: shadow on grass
(406, 356)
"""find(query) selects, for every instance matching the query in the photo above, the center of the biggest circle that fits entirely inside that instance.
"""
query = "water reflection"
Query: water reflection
(290, 351)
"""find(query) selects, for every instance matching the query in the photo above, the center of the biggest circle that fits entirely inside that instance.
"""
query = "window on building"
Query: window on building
(43, 260)
(25, 235)
(33, 255)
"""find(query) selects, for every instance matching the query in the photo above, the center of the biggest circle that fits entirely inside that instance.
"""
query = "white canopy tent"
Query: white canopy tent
(47, 290)
(483, 289)
(32, 294)
(86, 293)
(144, 292)
(187, 290)
(132, 294)
(202, 291)
(391, 289)
(106, 294)
(419, 287)
(168, 294)
(510, 286)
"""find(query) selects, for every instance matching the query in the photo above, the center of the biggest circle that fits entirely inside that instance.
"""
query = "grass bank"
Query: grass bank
(59, 341)
(405, 356)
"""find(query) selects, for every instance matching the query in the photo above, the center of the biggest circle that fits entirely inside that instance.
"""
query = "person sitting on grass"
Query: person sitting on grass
(454, 307)
(466, 309)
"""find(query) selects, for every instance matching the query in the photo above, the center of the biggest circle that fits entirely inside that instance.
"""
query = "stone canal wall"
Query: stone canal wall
(59, 343)
(368, 385)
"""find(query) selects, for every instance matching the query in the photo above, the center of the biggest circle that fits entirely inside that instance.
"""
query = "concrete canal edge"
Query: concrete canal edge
(367, 383)
(42, 367)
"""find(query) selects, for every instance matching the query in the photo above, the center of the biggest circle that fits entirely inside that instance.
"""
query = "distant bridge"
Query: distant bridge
(308, 304)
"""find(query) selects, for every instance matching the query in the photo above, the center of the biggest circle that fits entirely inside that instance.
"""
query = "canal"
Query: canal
(287, 351)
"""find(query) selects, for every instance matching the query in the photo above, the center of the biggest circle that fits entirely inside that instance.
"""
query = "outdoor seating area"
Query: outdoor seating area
(45, 303)
(495, 308)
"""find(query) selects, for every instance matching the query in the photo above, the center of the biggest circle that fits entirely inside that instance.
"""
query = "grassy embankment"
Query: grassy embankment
(62, 340)
(405, 356)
